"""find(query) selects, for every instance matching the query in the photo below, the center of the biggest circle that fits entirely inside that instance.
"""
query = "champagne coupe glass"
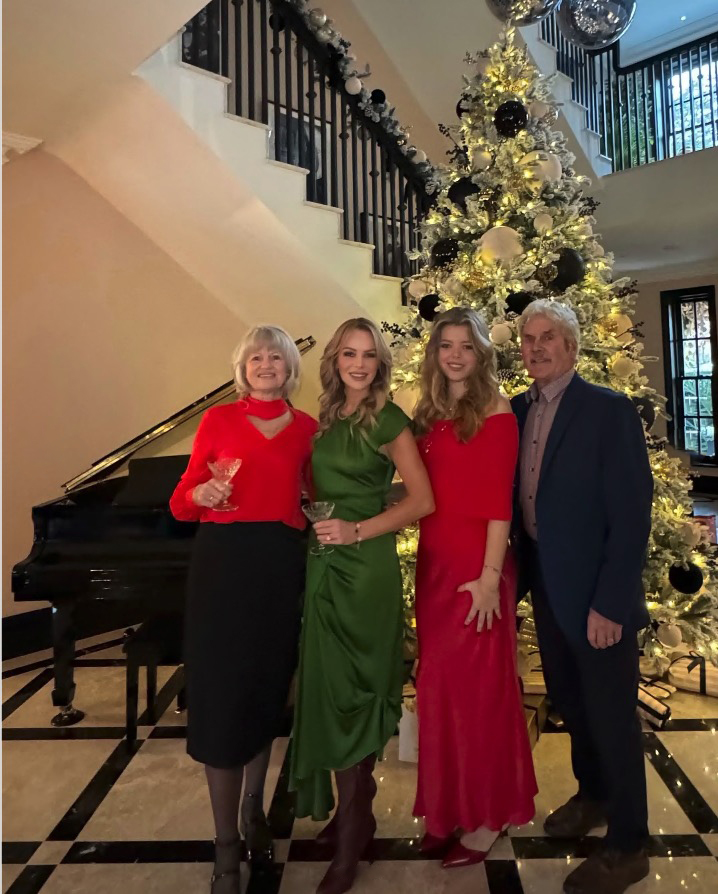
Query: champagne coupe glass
(224, 469)
(319, 512)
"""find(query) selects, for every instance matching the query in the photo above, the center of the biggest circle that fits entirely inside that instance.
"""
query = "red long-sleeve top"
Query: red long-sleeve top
(267, 486)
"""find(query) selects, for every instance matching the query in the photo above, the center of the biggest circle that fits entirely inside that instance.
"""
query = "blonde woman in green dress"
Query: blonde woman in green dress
(350, 670)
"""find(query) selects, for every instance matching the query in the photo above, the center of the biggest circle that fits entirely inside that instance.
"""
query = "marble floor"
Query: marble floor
(82, 814)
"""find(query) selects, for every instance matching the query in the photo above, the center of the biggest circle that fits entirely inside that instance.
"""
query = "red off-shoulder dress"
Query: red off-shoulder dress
(475, 767)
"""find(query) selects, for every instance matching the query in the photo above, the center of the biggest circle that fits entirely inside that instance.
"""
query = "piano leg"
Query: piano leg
(64, 637)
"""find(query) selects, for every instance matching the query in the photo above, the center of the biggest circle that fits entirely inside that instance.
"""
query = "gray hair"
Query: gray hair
(274, 338)
(560, 314)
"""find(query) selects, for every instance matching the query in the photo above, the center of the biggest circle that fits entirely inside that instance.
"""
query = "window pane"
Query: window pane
(707, 447)
(705, 395)
(690, 431)
(688, 319)
(703, 319)
(705, 360)
(690, 361)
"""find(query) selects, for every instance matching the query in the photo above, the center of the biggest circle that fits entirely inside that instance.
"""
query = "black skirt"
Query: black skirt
(241, 638)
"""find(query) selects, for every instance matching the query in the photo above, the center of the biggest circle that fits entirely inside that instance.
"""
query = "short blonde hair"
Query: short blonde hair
(272, 337)
(560, 314)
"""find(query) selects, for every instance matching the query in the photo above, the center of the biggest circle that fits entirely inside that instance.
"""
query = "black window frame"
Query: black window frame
(671, 304)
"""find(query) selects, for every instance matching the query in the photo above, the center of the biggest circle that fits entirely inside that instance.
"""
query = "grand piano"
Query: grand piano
(109, 539)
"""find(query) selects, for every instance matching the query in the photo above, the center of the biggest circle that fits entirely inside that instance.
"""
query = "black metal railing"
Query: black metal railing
(664, 106)
(283, 76)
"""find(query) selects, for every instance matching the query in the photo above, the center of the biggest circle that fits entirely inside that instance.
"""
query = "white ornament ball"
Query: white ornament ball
(481, 159)
(623, 367)
(623, 324)
(691, 534)
(543, 223)
(544, 167)
(324, 35)
(482, 65)
(501, 244)
(599, 250)
(318, 17)
(669, 635)
(539, 108)
(500, 333)
(353, 86)
(453, 287)
(417, 288)
(419, 156)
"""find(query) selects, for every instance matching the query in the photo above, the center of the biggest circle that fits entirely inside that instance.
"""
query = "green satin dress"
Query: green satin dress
(348, 699)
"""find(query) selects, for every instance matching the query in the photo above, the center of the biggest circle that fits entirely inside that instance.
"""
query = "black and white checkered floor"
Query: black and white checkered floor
(82, 815)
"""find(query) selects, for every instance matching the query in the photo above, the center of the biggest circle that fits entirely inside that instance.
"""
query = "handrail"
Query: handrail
(293, 72)
(107, 464)
(660, 107)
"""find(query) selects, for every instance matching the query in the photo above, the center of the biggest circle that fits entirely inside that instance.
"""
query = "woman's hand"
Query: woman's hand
(211, 493)
(485, 601)
(334, 530)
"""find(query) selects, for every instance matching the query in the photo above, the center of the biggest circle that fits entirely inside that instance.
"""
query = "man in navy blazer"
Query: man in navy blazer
(581, 524)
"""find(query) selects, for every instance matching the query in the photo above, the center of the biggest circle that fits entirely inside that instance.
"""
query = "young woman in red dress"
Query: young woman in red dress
(475, 774)
(244, 590)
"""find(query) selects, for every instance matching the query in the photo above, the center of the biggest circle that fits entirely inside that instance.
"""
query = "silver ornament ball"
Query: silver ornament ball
(522, 12)
(595, 24)
(669, 635)
(318, 17)
(353, 86)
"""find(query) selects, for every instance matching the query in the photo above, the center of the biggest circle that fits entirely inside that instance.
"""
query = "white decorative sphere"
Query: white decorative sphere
(599, 250)
(539, 108)
(482, 65)
(543, 223)
(623, 367)
(318, 17)
(501, 244)
(453, 287)
(691, 533)
(353, 86)
(500, 333)
(417, 288)
(324, 35)
(544, 167)
(419, 156)
(481, 159)
(669, 635)
(623, 324)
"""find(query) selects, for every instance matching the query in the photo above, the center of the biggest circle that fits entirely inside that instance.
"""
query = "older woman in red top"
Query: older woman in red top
(245, 583)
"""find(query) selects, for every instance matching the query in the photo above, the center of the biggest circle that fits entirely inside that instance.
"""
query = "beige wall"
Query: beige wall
(103, 335)
(648, 313)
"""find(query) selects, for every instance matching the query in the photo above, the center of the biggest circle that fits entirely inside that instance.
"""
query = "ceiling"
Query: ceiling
(661, 24)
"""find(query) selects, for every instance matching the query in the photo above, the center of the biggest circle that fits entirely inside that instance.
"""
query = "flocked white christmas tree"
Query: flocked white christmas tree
(510, 223)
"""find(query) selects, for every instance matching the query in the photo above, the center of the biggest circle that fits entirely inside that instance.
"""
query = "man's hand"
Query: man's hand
(601, 632)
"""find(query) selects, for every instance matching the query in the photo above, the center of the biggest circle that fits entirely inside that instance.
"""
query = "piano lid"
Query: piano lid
(107, 464)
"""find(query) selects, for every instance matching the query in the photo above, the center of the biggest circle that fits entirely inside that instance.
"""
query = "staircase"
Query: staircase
(200, 99)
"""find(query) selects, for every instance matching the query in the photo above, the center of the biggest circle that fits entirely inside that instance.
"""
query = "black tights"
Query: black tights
(225, 790)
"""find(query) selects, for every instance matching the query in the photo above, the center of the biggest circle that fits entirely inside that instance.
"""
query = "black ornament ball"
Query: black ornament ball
(511, 118)
(378, 97)
(428, 307)
(646, 410)
(570, 268)
(686, 580)
(462, 106)
(517, 302)
(445, 252)
(461, 190)
(277, 21)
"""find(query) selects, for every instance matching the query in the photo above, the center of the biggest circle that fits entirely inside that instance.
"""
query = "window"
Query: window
(690, 351)
(692, 100)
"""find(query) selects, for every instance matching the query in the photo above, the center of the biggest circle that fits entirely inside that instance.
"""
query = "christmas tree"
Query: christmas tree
(509, 223)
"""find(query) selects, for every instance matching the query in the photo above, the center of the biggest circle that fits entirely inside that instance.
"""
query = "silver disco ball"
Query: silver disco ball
(595, 24)
(522, 12)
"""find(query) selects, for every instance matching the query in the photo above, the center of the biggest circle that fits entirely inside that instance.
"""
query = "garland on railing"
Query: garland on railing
(372, 103)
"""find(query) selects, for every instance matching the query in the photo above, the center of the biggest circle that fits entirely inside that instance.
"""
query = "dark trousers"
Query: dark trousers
(594, 691)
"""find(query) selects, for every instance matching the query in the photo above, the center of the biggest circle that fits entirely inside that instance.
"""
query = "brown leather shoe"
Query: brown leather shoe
(574, 819)
(608, 871)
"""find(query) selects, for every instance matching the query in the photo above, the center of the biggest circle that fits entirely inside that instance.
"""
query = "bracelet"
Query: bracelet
(494, 568)
(357, 533)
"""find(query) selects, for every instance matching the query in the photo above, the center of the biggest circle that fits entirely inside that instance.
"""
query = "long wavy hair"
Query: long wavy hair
(482, 386)
(333, 391)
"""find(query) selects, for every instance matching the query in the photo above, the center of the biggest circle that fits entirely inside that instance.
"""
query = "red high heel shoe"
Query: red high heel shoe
(462, 856)
(434, 846)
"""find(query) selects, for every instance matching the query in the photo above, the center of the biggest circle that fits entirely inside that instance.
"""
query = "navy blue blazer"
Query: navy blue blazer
(593, 509)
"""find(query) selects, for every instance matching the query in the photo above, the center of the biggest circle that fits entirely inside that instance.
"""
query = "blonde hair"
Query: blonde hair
(560, 314)
(333, 391)
(482, 387)
(273, 338)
